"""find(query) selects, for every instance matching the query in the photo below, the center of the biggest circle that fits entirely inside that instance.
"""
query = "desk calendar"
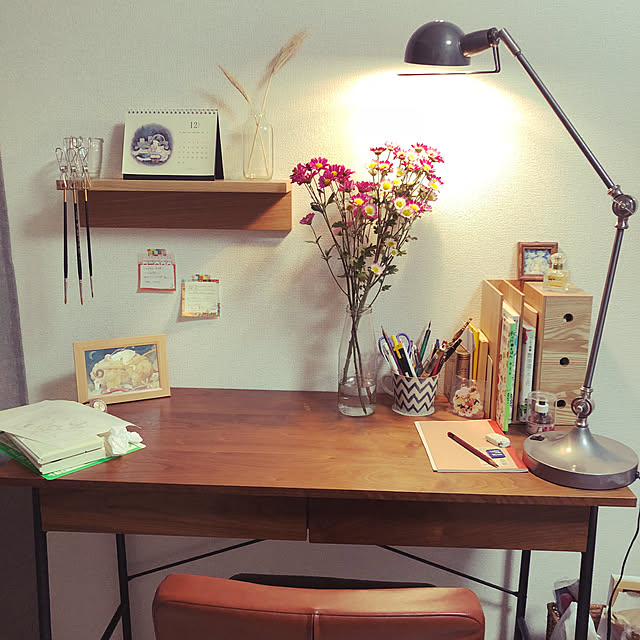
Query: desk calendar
(182, 144)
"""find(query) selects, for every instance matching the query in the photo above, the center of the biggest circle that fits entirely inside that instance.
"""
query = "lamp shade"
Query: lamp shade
(436, 43)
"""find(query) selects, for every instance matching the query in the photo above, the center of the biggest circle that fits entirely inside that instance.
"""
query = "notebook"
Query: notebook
(446, 455)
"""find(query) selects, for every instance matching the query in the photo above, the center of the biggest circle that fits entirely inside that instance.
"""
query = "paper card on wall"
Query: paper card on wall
(156, 271)
(201, 297)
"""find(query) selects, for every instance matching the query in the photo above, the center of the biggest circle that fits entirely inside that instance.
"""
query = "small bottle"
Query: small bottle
(541, 414)
(556, 277)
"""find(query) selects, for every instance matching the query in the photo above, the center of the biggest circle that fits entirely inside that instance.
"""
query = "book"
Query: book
(490, 325)
(50, 474)
(55, 462)
(447, 456)
(181, 144)
(57, 434)
(482, 353)
(528, 354)
(49, 458)
(506, 367)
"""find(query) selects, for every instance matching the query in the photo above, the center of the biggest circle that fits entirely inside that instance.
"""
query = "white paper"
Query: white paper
(157, 276)
(57, 422)
(200, 297)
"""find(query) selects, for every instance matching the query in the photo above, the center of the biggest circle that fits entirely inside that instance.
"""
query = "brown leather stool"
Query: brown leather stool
(189, 607)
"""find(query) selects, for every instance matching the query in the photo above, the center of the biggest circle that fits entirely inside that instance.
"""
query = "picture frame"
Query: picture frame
(533, 259)
(122, 369)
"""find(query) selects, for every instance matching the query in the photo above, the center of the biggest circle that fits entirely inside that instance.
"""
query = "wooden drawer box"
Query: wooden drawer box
(562, 343)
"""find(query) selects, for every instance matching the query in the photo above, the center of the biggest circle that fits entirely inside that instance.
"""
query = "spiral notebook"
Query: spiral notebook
(179, 144)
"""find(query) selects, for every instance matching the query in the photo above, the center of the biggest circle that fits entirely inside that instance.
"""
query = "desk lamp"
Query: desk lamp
(574, 458)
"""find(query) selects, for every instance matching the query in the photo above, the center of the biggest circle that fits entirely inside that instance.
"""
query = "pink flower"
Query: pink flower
(340, 172)
(434, 154)
(308, 219)
(347, 186)
(318, 163)
(301, 174)
(378, 150)
(370, 211)
(325, 179)
(364, 187)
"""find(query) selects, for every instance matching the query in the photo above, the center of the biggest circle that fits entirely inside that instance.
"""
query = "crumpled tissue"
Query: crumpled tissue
(566, 627)
(118, 438)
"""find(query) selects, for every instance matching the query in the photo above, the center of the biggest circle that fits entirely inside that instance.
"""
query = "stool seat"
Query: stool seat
(190, 607)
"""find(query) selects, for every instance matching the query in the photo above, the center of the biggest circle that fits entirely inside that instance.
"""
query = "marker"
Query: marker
(401, 356)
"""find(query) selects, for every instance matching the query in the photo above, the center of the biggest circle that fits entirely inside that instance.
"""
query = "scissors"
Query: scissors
(403, 338)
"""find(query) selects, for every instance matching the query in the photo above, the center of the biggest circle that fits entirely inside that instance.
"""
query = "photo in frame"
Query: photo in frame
(122, 369)
(533, 259)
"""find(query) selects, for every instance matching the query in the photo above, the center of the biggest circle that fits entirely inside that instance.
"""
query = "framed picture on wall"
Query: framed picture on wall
(121, 369)
(533, 259)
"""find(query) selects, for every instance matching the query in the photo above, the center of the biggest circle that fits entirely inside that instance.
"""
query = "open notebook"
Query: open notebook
(446, 455)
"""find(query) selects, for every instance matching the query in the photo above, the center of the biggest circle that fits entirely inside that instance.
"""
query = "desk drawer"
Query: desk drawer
(167, 512)
(449, 524)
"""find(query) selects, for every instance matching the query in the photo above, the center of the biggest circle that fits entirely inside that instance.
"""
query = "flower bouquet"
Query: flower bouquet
(368, 225)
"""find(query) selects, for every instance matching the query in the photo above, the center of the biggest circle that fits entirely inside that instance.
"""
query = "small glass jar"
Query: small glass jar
(541, 411)
(556, 277)
(94, 157)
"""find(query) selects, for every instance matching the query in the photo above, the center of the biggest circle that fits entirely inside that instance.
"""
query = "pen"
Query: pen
(425, 341)
(449, 352)
(472, 449)
(386, 338)
(403, 361)
(432, 364)
(459, 331)
(389, 357)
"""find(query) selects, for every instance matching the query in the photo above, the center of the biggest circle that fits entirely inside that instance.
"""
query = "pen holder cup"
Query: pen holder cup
(411, 396)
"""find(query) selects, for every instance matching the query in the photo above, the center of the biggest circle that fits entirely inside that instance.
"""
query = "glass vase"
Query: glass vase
(357, 365)
(257, 147)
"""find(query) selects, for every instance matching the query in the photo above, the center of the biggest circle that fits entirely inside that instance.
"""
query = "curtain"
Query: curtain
(18, 612)
(13, 387)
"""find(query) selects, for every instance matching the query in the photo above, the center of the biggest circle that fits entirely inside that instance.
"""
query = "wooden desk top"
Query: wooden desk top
(295, 443)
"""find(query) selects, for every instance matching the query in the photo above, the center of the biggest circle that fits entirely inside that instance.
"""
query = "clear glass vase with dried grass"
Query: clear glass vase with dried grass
(257, 132)
(257, 147)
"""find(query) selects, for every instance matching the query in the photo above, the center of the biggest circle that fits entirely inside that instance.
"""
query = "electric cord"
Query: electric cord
(624, 562)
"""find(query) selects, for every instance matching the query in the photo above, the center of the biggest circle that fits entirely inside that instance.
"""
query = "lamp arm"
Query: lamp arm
(623, 207)
(510, 43)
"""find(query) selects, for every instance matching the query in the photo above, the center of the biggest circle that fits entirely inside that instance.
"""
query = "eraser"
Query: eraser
(497, 439)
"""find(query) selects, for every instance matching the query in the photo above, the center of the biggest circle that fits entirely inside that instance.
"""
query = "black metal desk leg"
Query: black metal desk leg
(586, 577)
(521, 632)
(123, 582)
(42, 569)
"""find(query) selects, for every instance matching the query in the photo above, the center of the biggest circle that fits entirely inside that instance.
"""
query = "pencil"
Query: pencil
(472, 449)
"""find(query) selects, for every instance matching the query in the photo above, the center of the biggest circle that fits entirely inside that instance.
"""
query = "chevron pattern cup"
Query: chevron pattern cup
(414, 396)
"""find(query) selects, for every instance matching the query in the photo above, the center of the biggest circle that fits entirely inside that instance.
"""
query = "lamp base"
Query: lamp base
(581, 460)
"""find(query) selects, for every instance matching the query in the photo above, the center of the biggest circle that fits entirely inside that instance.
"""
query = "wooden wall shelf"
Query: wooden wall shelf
(189, 204)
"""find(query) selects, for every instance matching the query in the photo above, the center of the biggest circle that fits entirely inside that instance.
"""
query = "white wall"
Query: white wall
(512, 174)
